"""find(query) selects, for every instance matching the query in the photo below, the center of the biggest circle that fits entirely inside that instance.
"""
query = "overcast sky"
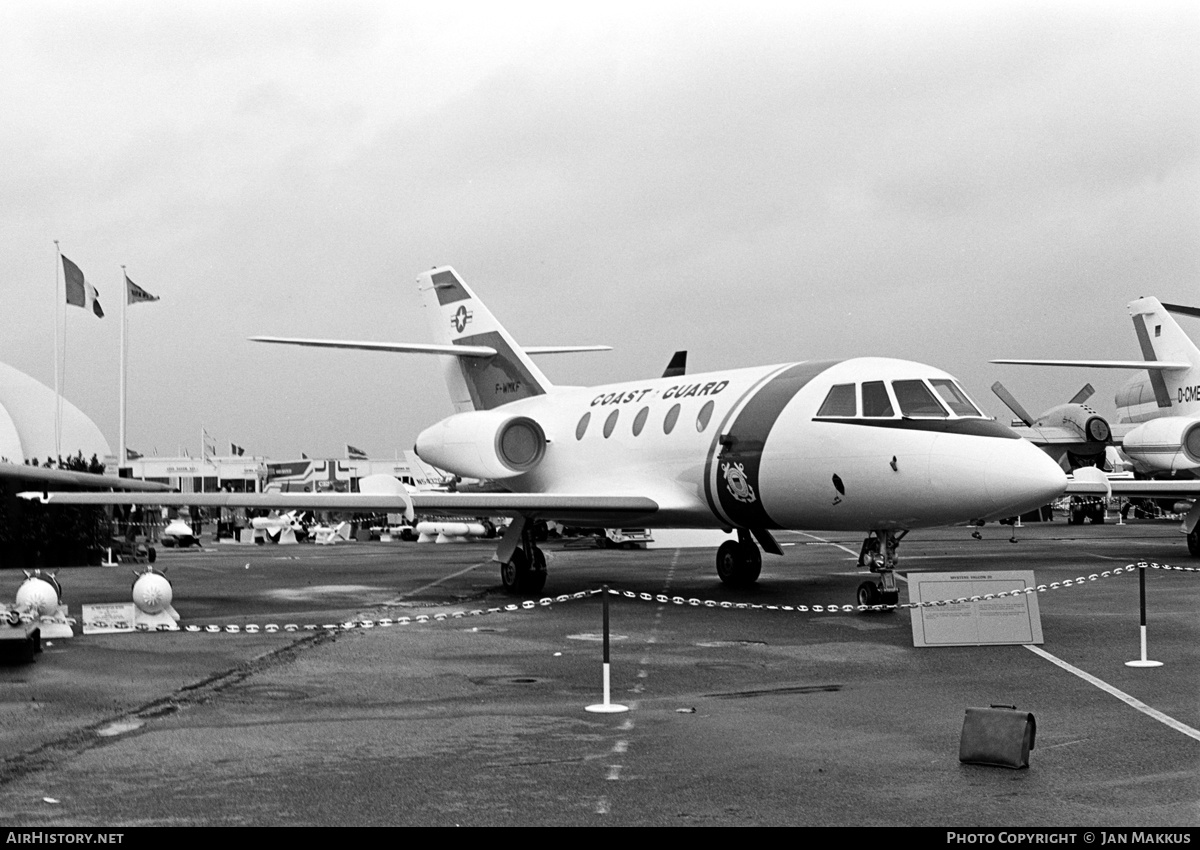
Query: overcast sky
(755, 183)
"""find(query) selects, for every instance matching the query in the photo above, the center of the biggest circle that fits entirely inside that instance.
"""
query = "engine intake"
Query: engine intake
(483, 444)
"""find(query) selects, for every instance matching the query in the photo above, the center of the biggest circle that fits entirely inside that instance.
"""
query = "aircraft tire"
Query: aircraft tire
(513, 571)
(1193, 540)
(868, 593)
(738, 565)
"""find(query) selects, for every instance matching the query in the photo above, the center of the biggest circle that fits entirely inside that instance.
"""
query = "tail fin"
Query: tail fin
(1161, 339)
(458, 317)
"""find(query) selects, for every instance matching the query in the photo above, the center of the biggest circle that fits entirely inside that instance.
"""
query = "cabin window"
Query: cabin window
(639, 421)
(875, 400)
(955, 398)
(581, 428)
(915, 399)
(841, 401)
(672, 418)
(705, 415)
(610, 423)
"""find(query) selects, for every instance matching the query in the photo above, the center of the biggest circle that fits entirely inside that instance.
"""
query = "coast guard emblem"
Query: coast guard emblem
(735, 481)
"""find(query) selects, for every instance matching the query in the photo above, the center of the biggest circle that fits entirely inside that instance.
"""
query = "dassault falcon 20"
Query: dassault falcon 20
(872, 444)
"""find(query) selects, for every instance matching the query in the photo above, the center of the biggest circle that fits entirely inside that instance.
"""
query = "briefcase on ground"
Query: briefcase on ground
(1000, 736)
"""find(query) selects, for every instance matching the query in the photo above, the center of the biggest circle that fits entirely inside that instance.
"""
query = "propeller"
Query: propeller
(1015, 406)
(1086, 392)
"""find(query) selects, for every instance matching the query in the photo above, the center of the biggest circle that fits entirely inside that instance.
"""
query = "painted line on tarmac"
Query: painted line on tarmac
(829, 542)
(438, 581)
(1118, 693)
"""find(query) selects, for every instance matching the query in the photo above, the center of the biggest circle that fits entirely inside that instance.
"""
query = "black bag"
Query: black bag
(999, 736)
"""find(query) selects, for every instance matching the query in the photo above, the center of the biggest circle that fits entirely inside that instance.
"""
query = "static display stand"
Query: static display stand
(986, 622)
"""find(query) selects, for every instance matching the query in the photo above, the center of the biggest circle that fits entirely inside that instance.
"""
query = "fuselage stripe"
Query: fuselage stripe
(731, 478)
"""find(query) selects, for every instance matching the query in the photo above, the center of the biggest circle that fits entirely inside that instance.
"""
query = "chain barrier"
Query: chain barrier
(13, 617)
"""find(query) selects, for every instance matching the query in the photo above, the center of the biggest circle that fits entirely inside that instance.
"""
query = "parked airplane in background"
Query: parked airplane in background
(1074, 434)
(871, 444)
(1158, 412)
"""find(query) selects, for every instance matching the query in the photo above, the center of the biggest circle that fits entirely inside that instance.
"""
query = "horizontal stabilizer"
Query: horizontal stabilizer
(426, 348)
(400, 347)
(1162, 365)
(563, 349)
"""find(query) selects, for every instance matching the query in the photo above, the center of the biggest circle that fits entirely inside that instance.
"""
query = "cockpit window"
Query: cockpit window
(915, 399)
(955, 398)
(875, 399)
(841, 401)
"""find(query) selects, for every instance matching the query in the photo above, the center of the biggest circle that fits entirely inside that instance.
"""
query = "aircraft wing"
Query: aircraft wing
(1162, 365)
(1087, 481)
(564, 506)
(66, 477)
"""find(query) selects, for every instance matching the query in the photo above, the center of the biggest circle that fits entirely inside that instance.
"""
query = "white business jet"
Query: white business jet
(1158, 411)
(869, 444)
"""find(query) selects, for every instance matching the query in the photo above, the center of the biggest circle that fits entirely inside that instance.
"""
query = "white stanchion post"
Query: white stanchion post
(606, 707)
(1143, 661)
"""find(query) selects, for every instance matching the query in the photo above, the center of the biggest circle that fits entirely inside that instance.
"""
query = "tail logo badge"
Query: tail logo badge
(736, 483)
(461, 318)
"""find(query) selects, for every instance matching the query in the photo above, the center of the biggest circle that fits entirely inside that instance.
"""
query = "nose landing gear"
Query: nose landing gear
(879, 554)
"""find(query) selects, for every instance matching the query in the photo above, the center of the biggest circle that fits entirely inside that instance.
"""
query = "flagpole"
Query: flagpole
(121, 460)
(57, 391)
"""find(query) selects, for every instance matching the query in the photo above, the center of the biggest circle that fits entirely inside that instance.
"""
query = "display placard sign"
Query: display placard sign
(1005, 620)
(107, 619)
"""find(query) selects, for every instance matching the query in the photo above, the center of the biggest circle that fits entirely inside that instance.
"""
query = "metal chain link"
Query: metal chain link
(659, 598)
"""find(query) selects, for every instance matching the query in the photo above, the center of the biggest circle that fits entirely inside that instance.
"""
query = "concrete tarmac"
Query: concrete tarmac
(736, 716)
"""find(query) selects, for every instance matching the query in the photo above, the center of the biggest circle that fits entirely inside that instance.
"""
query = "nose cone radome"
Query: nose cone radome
(1020, 477)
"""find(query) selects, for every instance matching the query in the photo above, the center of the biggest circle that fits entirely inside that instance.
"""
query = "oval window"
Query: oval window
(581, 428)
(610, 423)
(672, 418)
(704, 416)
(639, 421)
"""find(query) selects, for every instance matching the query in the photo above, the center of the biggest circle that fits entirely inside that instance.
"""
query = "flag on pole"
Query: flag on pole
(79, 291)
(235, 449)
(130, 454)
(355, 454)
(134, 294)
(207, 451)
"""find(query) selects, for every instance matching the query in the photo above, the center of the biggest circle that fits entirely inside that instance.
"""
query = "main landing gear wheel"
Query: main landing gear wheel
(522, 575)
(1193, 540)
(739, 563)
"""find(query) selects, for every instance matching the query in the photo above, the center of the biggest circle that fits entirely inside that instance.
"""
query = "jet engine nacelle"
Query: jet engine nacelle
(1168, 444)
(1091, 426)
(483, 444)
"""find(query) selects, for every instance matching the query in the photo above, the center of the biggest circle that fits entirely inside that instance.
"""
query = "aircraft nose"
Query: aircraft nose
(1020, 477)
